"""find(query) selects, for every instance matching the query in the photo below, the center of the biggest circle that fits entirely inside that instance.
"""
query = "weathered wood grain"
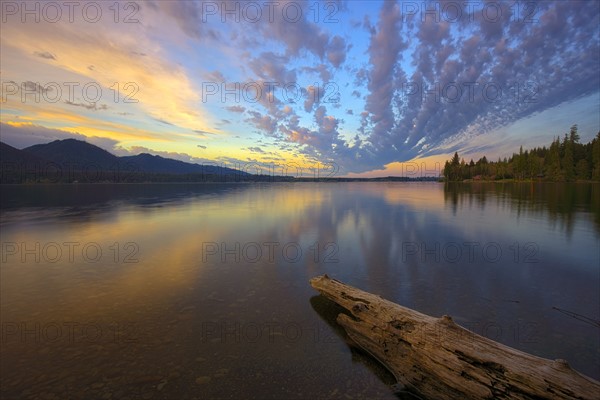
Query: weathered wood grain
(441, 360)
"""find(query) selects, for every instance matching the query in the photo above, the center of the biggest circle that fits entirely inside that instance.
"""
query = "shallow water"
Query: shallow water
(201, 291)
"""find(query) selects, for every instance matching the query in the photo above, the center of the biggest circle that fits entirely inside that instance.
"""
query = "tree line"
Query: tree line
(565, 160)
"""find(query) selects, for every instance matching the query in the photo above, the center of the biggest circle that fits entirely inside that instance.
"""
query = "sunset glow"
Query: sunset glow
(366, 86)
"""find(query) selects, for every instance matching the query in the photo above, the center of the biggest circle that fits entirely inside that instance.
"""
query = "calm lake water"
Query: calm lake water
(201, 291)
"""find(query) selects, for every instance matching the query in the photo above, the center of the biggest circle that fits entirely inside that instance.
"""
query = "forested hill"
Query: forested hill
(565, 160)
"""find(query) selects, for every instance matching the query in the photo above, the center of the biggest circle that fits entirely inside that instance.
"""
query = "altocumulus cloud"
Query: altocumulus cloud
(408, 84)
(430, 83)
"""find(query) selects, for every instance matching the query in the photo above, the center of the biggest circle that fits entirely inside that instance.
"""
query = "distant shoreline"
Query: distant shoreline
(248, 179)
(296, 180)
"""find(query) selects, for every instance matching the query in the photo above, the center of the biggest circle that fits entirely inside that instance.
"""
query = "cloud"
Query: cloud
(189, 17)
(215, 76)
(161, 87)
(322, 70)
(293, 25)
(397, 77)
(313, 96)
(44, 54)
(203, 133)
(327, 124)
(398, 125)
(236, 109)
(256, 150)
(323, 144)
(162, 121)
(297, 35)
(26, 134)
(33, 87)
(384, 52)
(89, 106)
(263, 122)
(336, 51)
(536, 66)
(271, 67)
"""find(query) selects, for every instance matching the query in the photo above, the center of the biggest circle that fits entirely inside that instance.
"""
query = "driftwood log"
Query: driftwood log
(439, 359)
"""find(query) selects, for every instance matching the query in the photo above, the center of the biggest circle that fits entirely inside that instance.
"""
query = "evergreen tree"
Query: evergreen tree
(455, 160)
(582, 169)
(553, 168)
(455, 167)
(596, 158)
(520, 164)
(568, 164)
(452, 168)
(531, 165)
(447, 170)
(573, 135)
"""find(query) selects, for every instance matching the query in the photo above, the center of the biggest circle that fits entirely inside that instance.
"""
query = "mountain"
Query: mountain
(17, 166)
(74, 153)
(9, 154)
(76, 160)
(157, 164)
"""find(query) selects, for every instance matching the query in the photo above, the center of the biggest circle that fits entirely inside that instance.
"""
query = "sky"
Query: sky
(344, 88)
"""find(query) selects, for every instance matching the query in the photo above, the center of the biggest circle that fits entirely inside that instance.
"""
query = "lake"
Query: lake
(201, 291)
